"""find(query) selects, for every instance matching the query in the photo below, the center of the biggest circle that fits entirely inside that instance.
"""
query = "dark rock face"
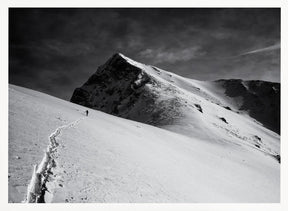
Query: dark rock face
(260, 98)
(114, 79)
(118, 88)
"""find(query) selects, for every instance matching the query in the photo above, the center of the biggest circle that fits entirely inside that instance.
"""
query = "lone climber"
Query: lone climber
(86, 112)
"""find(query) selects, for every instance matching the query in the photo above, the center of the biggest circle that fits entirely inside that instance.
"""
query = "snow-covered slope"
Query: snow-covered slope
(261, 99)
(213, 111)
(104, 158)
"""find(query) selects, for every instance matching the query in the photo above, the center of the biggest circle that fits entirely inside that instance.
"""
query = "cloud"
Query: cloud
(58, 49)
(68, 49)
(269, 48)
(171, 56)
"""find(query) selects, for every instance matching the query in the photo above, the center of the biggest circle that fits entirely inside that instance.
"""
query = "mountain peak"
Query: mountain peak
(118, 55)
(147, 94)
(115, 57)
(119, 58)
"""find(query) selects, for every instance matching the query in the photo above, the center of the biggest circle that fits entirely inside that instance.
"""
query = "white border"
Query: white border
(144, 3)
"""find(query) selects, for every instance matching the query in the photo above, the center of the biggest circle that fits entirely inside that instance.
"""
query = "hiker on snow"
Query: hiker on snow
(86, 112)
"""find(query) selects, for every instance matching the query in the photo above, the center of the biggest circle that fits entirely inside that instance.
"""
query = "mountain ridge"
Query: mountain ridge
(137, 80)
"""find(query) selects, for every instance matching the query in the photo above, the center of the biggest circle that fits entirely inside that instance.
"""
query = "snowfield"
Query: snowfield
(104, 158)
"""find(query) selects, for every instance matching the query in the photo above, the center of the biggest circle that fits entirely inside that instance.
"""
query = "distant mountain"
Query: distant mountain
(222, 111)
(260, 98)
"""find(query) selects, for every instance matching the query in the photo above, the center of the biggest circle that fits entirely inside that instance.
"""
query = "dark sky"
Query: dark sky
(56, 50)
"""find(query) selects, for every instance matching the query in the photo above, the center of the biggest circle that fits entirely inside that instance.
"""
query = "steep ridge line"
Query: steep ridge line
(37, 186)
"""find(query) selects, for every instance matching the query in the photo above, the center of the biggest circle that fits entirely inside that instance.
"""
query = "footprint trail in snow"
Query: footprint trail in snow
(37, 187)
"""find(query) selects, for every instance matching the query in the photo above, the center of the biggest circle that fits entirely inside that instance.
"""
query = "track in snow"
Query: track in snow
(37, 187)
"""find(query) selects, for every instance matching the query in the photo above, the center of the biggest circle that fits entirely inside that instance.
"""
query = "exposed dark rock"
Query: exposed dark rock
(199, 108)
(227, 107)
(260, 98)
(223, 119)
(257, 138)
(278, 158)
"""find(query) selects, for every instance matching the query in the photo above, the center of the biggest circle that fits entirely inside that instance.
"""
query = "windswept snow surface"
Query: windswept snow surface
(110, 159)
